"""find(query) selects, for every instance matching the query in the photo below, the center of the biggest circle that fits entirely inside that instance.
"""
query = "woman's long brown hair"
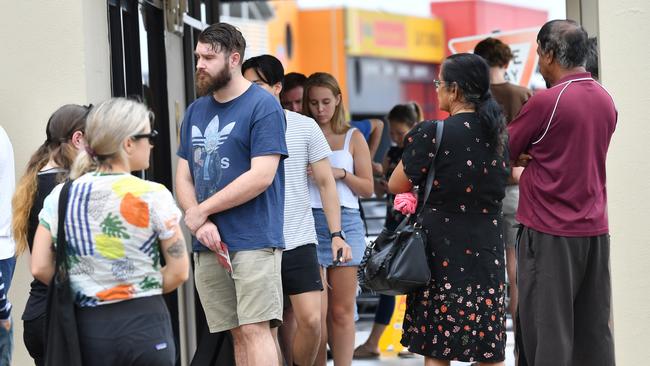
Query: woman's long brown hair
(57, 148)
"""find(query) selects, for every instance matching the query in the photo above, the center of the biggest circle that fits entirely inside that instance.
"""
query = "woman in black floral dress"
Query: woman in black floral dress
(460, 314)
(401, 119)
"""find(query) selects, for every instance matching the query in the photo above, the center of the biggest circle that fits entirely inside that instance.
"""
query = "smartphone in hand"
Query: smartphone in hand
(339, 256)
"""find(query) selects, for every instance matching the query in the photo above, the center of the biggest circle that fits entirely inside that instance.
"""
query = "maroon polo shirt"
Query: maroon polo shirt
(567, 130)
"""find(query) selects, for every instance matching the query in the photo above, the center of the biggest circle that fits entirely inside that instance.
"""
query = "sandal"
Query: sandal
(363, 353)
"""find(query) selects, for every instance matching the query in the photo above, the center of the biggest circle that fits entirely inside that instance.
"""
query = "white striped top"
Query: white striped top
(306, 144)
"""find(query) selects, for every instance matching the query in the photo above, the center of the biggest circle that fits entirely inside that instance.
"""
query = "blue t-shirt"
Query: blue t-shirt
(364, 126)
(218, 140)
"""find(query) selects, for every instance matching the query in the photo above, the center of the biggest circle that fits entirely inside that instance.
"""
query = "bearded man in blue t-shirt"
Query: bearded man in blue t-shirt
(230, 182)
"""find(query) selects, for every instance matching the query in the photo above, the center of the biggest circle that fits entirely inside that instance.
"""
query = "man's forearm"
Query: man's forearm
(243, 189)
(375, 137)
(186, 194)
(373, 144)
(331, 206)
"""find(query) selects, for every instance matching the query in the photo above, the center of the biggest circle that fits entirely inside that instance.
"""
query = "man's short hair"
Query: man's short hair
(224, 37)
(267, 67)
(495, 52)
(293, 80)
(568, 41)
(592, 57)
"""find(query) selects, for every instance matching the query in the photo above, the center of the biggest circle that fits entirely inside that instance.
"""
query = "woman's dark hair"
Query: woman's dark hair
(471, 74)
(57, 147)
(267, 67)
(409, 113)
(495, 52)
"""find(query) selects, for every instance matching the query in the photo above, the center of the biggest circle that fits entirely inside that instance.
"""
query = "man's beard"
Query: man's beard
(206, 84)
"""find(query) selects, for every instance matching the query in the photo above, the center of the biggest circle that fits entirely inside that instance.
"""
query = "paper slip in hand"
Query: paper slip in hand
(224, 257)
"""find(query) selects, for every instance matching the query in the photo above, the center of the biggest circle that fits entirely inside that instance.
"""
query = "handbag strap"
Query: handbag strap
(61, 256)
(431, 173)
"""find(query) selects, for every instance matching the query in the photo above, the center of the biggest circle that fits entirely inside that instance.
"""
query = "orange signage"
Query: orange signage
(523, 44)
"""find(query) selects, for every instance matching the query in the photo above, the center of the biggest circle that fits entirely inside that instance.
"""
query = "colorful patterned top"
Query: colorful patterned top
(113, 223)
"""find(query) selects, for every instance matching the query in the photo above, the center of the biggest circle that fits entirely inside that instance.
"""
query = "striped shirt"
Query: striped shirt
(5, 305)
(306, 144)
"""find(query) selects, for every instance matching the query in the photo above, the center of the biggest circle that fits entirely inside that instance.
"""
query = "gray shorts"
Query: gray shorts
(510, 203)
(251, 294)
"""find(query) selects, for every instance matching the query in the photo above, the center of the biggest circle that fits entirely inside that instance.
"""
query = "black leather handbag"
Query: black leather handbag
(396, 262)
(62, 338)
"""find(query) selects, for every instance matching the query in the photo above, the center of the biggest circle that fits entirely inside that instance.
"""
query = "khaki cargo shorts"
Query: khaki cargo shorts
(251, 294)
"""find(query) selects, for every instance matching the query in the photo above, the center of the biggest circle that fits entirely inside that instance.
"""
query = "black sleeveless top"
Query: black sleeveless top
(46, 181)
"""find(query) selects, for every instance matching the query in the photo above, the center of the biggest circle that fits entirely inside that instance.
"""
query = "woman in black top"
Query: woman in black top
(47, 167)
(460, 314)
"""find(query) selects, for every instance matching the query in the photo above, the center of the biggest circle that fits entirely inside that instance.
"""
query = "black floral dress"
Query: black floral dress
(460, 315)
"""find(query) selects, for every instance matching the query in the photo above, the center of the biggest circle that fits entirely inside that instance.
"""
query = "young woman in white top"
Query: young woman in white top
(351, 166)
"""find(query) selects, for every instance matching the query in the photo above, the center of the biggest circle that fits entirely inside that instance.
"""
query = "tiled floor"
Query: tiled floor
(363, 329)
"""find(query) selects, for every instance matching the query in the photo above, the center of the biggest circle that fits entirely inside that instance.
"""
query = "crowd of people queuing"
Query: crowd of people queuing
(269, 176)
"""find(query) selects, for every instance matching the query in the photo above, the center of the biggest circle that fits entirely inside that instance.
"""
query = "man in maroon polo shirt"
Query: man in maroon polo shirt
(562, 135)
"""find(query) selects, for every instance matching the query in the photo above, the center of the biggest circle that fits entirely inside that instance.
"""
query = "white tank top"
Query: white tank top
(341, 159)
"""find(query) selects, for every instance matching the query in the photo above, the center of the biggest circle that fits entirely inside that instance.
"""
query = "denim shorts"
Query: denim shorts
(354, 234)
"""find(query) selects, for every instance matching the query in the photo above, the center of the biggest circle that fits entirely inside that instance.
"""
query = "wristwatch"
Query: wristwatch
(340, 234)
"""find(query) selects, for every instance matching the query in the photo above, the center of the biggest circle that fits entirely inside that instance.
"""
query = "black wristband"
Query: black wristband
(339, 233)
(345, 174)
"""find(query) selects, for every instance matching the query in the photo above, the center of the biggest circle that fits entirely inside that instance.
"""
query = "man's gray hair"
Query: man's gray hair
(567, 40)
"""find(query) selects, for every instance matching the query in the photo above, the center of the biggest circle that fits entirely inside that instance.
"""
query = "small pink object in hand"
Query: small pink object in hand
(406, 203)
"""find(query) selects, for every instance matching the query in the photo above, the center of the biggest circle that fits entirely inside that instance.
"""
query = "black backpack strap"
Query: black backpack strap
(61, 255)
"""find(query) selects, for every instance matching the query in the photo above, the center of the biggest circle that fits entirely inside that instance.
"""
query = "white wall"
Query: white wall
(53, 53)
(624, 26)
(585, 12)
